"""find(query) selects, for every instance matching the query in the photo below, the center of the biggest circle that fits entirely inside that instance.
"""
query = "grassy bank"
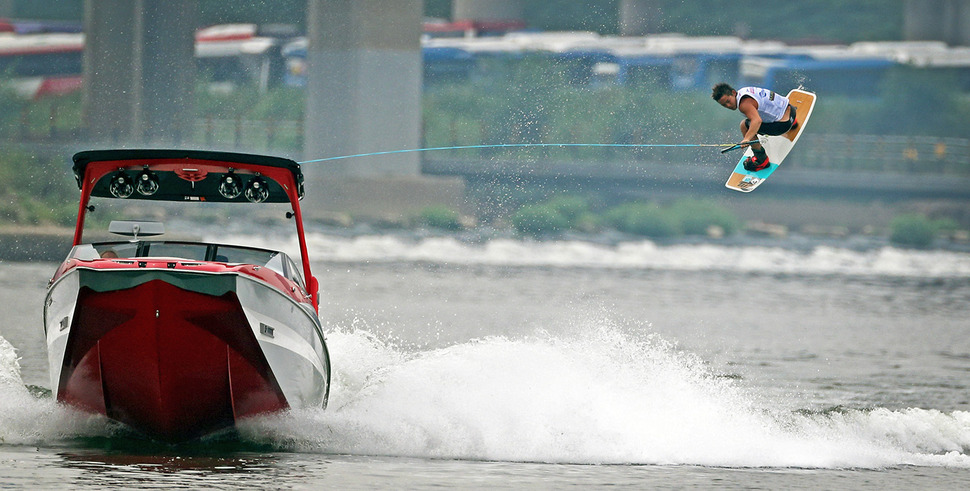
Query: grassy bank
(38, 195)
(36, 191)
(575, 217)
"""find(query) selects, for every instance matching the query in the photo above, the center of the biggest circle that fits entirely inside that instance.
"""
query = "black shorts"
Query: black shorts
(776, 128)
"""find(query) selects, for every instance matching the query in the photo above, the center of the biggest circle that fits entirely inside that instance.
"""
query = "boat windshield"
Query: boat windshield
(191, 251)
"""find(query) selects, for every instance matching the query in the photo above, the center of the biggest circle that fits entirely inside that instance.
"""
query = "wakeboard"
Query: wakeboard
(777, 147)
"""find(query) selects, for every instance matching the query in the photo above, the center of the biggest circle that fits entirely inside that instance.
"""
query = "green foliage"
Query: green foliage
(697, 217)
(929, 114)
(259, 11)
(34, 191)
(247, 102)
(245, 116)
(538, 220)
(49, 9)
(555, 215)
(648, 220)
(440, 9)
(684, 217)
(830, 20)
(40, 212)
(453, 116)
(946, 225)
(441, 216)
(522, 108)
(570, 15)
(280, 104)
(13, 107)
(225, 104)
(51, 116)
(912, 230)
(572, 208)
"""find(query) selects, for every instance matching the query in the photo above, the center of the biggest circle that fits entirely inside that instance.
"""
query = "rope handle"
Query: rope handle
(738, 145)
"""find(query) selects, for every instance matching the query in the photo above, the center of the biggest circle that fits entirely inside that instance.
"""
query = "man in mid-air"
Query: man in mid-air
(767, 113)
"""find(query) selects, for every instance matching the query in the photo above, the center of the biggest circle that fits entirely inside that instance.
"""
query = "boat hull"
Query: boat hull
(177, 355)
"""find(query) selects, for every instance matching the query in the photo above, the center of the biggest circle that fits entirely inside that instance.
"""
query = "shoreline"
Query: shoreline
(20, 243)
(42, 243)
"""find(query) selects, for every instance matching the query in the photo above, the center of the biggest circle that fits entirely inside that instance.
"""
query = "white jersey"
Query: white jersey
(771, 106)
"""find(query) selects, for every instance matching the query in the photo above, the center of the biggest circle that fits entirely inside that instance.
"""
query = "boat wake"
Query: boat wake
(603, 397)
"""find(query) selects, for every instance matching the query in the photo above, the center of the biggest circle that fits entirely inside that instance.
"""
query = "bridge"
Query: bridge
(364, 69)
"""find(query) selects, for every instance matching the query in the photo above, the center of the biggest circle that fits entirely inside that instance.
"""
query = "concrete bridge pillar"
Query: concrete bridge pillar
(923, 20)
(364, 74)
(639, 17)
(937, 20)
(139, 71)
(957, 31)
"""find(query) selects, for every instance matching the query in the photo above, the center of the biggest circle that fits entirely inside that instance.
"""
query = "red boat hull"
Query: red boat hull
(171, 363)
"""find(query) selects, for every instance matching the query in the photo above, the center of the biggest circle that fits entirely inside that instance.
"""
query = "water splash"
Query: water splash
(604, 397)
(26, 419)
(607, 396)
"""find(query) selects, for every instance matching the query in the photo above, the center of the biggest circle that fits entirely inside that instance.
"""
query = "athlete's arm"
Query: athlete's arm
(749, 107)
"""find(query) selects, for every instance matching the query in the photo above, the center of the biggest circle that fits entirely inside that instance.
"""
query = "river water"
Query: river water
(516, 364)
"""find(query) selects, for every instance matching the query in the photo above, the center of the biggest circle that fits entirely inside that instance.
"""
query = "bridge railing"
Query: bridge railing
(891, 154)
(862, 153)
(249, 135)
(868, 153)
(850, 153)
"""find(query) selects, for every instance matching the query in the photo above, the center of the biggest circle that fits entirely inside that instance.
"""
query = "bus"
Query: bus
(40, 63)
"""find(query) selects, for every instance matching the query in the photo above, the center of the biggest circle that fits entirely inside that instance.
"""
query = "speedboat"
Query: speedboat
(180, 339)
